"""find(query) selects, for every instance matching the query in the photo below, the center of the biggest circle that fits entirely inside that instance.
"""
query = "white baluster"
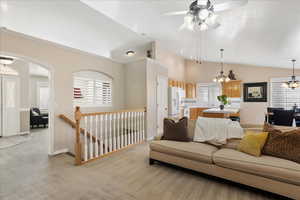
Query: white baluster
(105, 134)
(101, 134)
(143, 126)
(91, 137)
(110, 133)
(129, 128)
(135, 127)
(125, 128)
(85, 139)
(122, 130)
(114, 132)
(132, 128)
(139, 127)
(96, 136)
(118, 129)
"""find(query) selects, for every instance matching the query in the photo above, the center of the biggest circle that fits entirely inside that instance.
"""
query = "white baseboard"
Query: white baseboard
(59, 152)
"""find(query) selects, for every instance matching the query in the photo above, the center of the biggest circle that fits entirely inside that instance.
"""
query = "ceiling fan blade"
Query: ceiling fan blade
(229, 5)
(176, 13)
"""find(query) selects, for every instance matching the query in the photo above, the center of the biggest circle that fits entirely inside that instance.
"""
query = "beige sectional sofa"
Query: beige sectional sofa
(266, 173)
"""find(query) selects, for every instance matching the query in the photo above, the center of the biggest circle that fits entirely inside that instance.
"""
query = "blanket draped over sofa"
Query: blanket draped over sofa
(216, 131)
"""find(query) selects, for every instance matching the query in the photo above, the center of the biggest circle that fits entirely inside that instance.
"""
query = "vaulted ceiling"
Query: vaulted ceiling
(264, 32)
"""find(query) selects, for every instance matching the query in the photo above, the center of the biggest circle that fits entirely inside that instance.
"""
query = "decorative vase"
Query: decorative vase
(222, 107)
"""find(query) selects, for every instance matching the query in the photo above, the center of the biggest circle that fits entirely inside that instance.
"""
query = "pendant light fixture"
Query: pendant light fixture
(221, 78)
(292, 84)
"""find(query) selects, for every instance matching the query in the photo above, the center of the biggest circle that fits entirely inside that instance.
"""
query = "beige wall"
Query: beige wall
(63, 62)
(33, 92)
(135, 84)
(251, 113)
(174, 63)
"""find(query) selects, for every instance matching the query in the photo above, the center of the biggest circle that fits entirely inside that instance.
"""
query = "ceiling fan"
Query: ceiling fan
(202, 15)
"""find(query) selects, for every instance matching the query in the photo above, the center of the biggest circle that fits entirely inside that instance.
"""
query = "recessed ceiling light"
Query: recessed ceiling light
(6, 60)
(130, 53)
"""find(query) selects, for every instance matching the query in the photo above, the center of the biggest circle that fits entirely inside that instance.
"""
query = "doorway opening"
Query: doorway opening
(25, 107)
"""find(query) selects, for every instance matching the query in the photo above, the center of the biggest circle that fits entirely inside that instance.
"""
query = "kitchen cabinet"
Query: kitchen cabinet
(190, 91)
(232, 89)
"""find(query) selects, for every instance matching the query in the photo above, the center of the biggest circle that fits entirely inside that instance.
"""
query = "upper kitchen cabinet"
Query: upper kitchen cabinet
(232, 89)
(190, 91)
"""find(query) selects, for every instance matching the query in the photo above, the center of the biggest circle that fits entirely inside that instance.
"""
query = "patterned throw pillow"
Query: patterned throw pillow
(282, 144)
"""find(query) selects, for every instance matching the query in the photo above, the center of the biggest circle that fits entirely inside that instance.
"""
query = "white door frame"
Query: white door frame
(159, 77)
(51, 97)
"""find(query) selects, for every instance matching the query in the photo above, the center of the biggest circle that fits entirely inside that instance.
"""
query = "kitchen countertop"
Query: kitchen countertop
(225, 111)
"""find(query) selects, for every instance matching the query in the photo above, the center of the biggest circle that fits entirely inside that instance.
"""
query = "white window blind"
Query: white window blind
(207, 94)
(92, 92)
(283, 97)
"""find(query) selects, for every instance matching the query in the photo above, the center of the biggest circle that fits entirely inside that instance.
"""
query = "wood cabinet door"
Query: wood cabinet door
(190, 90)
(232, 89)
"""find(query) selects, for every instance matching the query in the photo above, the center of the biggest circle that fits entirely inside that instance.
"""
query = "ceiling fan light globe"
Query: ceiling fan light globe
(203, 27)
(203, 14)
(212, 19)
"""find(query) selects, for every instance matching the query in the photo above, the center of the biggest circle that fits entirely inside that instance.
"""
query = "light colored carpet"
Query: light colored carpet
(7, 142)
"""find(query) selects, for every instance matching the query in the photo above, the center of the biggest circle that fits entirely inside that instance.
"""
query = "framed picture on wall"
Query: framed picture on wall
(256, 92)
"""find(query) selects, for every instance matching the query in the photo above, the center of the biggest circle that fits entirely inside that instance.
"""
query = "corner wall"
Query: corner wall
(63, 61)
(174, 63)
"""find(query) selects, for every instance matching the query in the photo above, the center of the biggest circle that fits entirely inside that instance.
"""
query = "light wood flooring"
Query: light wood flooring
(27, 173)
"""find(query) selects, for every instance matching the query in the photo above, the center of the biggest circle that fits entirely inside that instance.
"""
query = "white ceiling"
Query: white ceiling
(264, 32)
(67, 22)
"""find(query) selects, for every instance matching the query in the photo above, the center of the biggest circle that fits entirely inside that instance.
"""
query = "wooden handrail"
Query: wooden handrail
(73, 125)
(113, 112)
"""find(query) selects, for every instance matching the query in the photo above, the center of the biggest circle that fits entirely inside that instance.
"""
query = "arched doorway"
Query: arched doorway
(43, 90)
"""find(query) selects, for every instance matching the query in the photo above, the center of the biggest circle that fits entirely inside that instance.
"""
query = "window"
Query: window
(92, 89)
(283, 97)
(207, 94)
(43, 95)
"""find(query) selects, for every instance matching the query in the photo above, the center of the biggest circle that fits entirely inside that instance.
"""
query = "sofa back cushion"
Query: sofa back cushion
(177, 131)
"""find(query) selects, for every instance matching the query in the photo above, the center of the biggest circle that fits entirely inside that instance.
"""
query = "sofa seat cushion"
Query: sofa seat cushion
(266, 166)
(189, 150)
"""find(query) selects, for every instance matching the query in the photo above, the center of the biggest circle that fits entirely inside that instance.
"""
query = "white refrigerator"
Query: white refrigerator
(175, 98)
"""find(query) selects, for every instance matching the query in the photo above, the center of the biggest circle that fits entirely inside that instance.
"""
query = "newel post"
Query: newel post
(77, 143)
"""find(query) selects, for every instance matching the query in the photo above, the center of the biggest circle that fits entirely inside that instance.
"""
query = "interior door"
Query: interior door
(162, 102)
(10, 105)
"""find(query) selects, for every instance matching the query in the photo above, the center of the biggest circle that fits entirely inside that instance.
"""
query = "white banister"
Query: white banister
(96, 136)
(108, 132)
(85, 139)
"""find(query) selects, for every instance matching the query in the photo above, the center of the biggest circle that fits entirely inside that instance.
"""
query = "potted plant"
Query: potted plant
(223, 99)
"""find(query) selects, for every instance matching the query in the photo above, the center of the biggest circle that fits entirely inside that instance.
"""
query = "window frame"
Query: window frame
(210, 86)
(108, 80)
(281, 80)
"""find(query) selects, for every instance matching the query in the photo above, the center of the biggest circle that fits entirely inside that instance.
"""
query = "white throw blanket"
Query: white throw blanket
(216, 131)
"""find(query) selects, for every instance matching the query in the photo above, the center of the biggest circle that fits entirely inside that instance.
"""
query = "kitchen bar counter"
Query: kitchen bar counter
(218, 113)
